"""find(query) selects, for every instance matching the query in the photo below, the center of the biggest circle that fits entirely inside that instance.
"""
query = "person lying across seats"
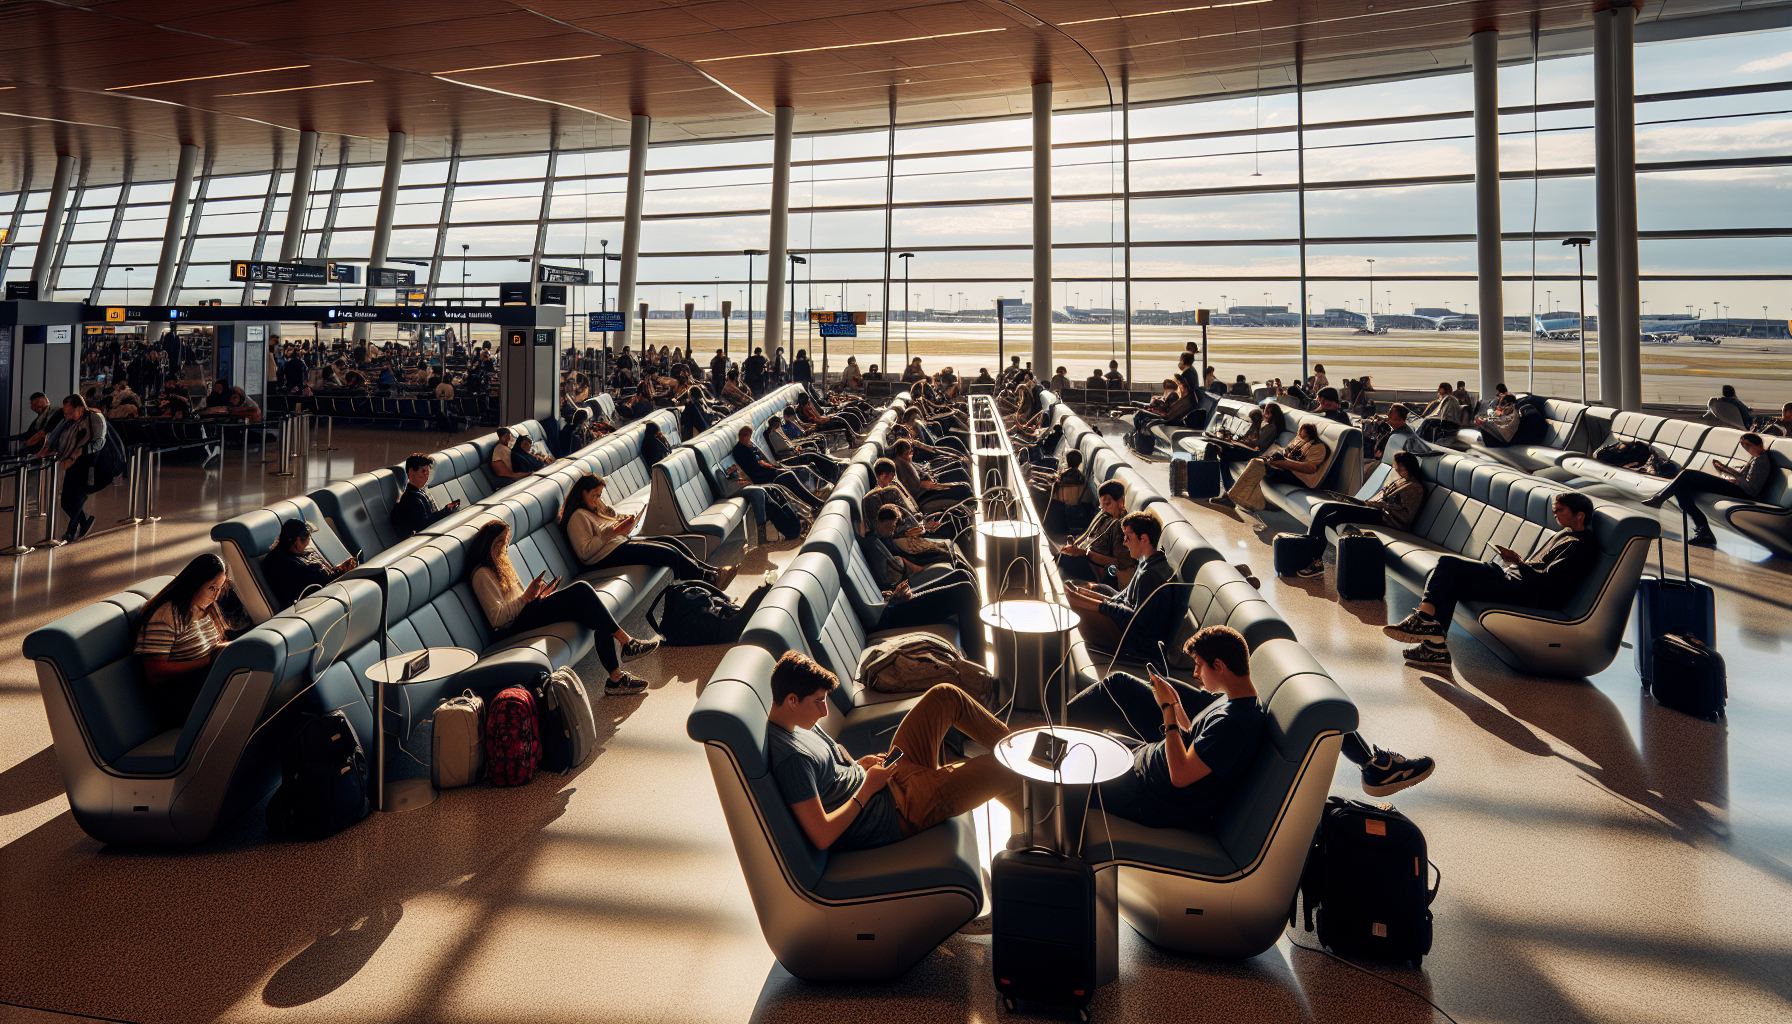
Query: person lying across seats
(1395, 506)
(1130, 621)
(929, 493)
(1745, 482)
(1209, 730)
(510, 607)
(415, 510)
(180, 633)
(292, 566)
(870, 802)
(905, 535)
(795, 479)
(1546, 579)
(1302, 462)
(601, 538)
(916, 596)
(1098, 550)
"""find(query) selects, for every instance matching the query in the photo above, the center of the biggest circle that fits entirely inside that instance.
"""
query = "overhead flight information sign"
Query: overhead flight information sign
(545, 274)
(278, 273)
(837, 324)
(388, 277)
(607, 321)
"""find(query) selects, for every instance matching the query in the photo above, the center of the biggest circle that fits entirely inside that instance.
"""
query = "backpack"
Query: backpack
(1365, 884)
(917, 662)
(1532, 426)
(565, 725)
(323, 780)
(698, 614)
(457, 742)
(512, 737)
(785, 514)
(109, 462)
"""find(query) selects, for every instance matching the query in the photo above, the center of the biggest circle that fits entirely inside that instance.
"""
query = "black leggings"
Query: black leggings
(1688, 483)
(823, 466)
(1336, 513)
(577, 603)
(952, 595)
(640, 552)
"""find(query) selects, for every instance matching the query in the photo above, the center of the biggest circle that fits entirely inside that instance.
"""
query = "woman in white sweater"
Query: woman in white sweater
(600, 538)
(511, 607)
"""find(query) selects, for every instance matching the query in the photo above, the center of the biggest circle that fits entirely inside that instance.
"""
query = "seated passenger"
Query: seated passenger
(1096, 381)
(1499, 424)
(510, 607)
(1398, 426)
(1746, 482)
(525, 459)
(1181, 779)
(415, 510)
(1442, 417)
(693, 419)
(905, 534)
(762, 471)
(501, 453)
(1328, 406)
(1728, 397)
(1395, 506)
(1131, 621)
(1099, 549)
(640, 405)
(1546, 579)
(294, 566)
(654, 445)
(786, 451)
(1266, 425)
(929, 493)
(180, 633)
(1303, 462)
(1241, 388)
(732, 393)
(886, 490)
(1781, 427)
(858, 805)
(950, 593)
(599, 536)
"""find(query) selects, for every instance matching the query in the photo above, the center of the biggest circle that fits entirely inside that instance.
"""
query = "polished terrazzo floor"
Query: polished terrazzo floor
(1603, 859)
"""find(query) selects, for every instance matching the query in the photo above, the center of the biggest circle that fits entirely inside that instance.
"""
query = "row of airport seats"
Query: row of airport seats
(868, 914)
(132, 783)
(1766, 520)
(1343, 442)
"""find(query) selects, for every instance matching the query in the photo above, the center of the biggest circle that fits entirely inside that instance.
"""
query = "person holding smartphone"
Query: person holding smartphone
(512, 608)
(294, 565)
(601, 537)
(878, 799)
(415, 510)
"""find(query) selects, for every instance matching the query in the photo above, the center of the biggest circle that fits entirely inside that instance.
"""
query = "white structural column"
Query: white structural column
(382, 221)
(52, 229)
(1042, 230)
(1488, 266)
(639, 127)
(777, 260)
(297, 206)
(1605, 253)
(177, 221)
(1623, 110)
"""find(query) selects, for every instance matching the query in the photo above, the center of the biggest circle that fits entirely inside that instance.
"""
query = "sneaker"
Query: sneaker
(625, 685)
(87, 525)
(1388, 773)
(771, 576)
(1223, 501)
(1702, 539)
(979, 925)
(1312, 570)
(1656, 500)
(725, 576)
(1417, 627)
(1428, 654)
(1256, 584)
(638, 648)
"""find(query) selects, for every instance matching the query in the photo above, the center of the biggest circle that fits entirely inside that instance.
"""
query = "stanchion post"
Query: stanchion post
(21, 487)
(50, 539)
(133, 480)
(152, 466)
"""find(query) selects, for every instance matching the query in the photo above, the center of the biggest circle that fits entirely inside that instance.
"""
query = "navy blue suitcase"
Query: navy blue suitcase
(1689, 677)
(1194, 478)
(1362, 570)
(1668, 607)
(1294, 552)
(1054, 931)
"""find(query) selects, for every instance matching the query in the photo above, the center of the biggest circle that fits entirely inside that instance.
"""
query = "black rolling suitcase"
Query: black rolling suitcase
(1667, 607)
(1048, 932)
(1366, 884)
(1362, 573)
(1296, 551)
(1689, 676)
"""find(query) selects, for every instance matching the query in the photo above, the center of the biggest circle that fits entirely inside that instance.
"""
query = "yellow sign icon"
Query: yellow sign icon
(114, 314)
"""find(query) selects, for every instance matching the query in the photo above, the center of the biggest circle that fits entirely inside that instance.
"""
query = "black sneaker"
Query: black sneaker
(1388, 773)
(1428, 654)
(87, 526)
(1702, 539)
(638, 648)
(1656, 500)
(625, 685)
(1417, 627)
(1313, 569)
(1223, 501)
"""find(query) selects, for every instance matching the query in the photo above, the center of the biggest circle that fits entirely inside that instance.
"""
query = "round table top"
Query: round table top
(1026, 616)
(1091, 757)
(443, 662)
(1014, 528)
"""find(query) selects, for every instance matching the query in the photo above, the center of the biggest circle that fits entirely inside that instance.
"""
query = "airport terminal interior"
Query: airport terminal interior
(1414, 377)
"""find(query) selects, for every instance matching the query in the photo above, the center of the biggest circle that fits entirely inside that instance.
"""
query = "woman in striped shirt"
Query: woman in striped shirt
(181, 634)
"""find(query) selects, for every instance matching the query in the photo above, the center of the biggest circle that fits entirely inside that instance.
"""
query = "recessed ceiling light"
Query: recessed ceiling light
(207, 78)
(851, 46)
(296, 88)
(518, 64)
(1173, 10)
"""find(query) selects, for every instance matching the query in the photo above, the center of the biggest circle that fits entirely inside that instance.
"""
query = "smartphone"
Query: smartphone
(892, 757)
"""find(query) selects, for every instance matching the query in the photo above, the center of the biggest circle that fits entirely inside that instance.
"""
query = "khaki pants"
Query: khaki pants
(1247, 492)
(928, 792)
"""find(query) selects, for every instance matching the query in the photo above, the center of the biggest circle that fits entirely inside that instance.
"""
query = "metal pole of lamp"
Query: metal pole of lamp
(407, 794)
(1580, 244)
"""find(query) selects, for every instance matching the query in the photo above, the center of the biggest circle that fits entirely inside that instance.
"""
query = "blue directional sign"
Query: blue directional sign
(608, 321)
(846, 330)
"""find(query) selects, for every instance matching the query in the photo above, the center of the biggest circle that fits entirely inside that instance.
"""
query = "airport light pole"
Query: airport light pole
(907, 258)
(749, 254)
(795, 262)
(1371, 315)
(1580, 250)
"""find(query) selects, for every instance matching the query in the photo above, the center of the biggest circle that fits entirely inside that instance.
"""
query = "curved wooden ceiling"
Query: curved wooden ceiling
(130, 80)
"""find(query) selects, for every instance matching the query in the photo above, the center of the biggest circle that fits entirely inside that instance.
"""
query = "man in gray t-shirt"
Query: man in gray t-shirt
(880, 798)
(1746, 482)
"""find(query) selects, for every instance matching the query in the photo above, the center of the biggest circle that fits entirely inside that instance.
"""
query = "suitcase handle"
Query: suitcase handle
(1431, 894)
